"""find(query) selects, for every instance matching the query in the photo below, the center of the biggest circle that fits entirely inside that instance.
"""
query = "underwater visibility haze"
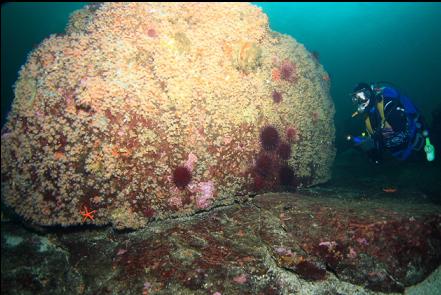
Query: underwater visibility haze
(221, 148)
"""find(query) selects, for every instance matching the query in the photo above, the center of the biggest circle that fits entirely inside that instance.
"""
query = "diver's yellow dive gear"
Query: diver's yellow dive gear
(430, 150)
(384, 123)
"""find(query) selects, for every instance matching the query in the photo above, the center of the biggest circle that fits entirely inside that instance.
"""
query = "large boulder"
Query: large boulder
(152, 110)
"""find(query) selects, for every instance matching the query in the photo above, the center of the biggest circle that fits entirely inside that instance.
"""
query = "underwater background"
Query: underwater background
(370, 229)
(394, 42)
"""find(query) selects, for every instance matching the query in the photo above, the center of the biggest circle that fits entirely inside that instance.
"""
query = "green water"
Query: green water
(396, 42)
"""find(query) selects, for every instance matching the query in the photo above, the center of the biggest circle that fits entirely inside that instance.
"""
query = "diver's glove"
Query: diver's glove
(364, 142)
(355, 140)
(430, 150)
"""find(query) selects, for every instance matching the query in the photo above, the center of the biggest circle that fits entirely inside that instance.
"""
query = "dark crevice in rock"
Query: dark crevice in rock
(202, 212)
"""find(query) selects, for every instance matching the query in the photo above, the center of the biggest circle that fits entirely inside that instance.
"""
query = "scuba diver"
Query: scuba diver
(393, 123)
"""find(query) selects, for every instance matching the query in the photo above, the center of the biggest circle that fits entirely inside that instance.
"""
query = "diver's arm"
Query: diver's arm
(367, 145)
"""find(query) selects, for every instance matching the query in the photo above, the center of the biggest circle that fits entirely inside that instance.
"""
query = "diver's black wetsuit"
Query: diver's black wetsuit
(397, 138)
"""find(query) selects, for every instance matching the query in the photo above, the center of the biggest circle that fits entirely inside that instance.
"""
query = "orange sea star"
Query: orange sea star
(276, 74)
(86, 214)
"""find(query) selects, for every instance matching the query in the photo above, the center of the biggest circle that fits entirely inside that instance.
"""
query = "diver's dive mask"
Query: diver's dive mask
(361, 98)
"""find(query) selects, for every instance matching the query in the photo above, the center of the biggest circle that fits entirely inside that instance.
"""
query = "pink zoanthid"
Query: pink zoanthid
(205, 194)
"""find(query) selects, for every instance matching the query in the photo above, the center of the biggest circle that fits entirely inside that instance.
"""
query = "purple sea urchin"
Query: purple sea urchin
(181, 177)
(269, 138)
(277, 96)
(286, 175)
(284, 151)
(263, 165)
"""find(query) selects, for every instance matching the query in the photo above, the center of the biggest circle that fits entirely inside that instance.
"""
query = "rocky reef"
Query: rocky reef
(145, 111)
(318, 241)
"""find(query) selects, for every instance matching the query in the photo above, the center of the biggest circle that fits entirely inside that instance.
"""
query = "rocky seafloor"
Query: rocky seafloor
(349, 236)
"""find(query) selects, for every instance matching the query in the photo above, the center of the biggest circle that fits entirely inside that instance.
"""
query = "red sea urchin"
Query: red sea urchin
(310, 271)
(284, 151)
(269, 138)
(181, 177)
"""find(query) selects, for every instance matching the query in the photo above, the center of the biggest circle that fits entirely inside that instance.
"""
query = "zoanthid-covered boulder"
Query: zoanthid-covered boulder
(151, 110)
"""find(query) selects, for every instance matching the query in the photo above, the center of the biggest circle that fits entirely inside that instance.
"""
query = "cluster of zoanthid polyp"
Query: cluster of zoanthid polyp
(148, 110)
